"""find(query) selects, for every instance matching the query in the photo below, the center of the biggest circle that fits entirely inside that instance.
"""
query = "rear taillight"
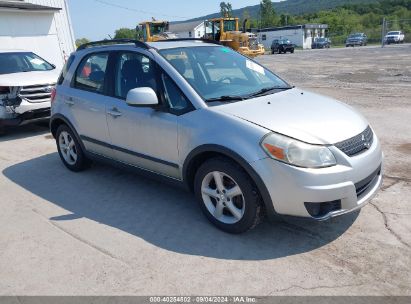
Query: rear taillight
(53, 95)
(4, 90)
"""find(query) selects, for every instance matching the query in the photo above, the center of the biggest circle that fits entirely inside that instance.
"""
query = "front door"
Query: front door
(141, 136)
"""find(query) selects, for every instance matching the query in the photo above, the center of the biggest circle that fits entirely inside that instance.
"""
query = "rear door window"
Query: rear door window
(91, 73)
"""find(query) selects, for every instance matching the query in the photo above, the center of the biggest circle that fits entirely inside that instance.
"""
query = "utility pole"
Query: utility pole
(383, 32)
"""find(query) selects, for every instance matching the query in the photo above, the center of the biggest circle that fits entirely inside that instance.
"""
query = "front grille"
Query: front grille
(253, 44)
(357, 144)
(37, 93)
(363, 185)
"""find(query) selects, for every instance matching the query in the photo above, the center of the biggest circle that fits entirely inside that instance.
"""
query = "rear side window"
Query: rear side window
(65, 69)
(91, 73)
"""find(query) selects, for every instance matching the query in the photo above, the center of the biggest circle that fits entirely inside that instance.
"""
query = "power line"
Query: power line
(138, 10)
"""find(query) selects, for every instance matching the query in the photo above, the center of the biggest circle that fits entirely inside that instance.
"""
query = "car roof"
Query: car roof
(160, 45)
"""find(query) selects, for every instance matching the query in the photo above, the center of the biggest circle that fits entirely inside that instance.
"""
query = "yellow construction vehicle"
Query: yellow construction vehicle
(155, 30)
(226, 31)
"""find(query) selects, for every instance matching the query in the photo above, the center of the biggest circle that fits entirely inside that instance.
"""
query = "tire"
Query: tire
(73, 158)
(272, 52)
(292, 51)
(245, 202)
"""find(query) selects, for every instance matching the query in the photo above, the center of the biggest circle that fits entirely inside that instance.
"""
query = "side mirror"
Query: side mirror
(142, 97)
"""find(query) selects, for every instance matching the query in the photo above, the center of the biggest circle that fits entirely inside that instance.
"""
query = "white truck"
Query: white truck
(26, 85)
(394, 37)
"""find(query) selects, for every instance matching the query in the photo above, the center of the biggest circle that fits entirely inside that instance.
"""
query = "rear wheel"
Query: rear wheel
(70, 150)
(227, 196)
(292, 51)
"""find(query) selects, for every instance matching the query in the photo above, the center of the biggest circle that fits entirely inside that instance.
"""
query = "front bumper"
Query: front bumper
(354, 42)
(25, 112)
(290, 188)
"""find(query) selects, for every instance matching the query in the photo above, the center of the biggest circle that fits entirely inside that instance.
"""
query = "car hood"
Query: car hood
(28, 78)
(302, 115)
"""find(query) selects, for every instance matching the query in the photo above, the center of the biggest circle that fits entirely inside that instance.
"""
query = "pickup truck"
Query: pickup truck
(26, 85)
(394, 37)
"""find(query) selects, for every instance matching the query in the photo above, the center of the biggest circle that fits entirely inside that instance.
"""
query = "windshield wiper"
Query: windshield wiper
(267, 90)
(225, 98)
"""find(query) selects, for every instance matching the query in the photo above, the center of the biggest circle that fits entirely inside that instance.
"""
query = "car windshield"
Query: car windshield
(285, 41)
(355, 35)
(393, 33)
(17, 62)
(218, 72)
(320, 40)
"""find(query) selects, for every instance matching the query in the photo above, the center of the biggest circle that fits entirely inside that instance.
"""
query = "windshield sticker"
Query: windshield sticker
(36, 61)
(226, 50)
(255, 67)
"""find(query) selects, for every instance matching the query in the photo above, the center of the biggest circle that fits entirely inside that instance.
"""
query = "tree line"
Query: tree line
(342, 20)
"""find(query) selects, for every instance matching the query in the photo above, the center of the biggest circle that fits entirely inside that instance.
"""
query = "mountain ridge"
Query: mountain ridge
(292, 7)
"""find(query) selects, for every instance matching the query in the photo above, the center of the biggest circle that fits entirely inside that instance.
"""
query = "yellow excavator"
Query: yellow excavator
(226, 31)
(155, 31)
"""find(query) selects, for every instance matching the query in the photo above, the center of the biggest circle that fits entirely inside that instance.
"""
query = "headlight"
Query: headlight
(297, 153)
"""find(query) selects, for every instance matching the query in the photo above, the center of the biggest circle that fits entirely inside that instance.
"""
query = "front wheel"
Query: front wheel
(70, 150)
(227, 196)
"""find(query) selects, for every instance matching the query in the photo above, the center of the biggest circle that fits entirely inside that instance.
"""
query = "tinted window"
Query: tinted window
(91, 73)
(133, 70)
(22, 62)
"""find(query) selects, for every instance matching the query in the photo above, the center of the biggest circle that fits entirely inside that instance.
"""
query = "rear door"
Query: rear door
(86, 102)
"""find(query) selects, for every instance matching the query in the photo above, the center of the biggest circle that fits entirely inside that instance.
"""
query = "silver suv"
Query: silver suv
(241, 138)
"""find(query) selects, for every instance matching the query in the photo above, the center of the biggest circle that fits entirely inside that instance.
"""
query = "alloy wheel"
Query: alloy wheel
(67, 148)
(223, 197)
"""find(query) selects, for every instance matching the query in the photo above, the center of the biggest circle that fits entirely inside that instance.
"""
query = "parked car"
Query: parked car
(394, 37)
(281, 46)
(206, 117)
(321, 43)
(359, 39)
(26, 83)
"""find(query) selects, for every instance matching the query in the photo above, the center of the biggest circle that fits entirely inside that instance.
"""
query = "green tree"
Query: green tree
(81, 41)
(267, 14)
(226, 9)
(125, 33)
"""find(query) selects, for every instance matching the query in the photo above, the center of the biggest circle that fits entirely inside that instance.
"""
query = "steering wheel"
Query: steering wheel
(221, 80)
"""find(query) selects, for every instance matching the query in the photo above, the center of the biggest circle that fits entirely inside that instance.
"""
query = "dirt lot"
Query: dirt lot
(110, 232)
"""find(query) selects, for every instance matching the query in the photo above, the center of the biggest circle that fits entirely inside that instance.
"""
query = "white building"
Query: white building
(194, 29)
(41, 26)
(301, 35)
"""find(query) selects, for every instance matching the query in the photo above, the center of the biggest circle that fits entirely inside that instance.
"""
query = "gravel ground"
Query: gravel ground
(109, 232)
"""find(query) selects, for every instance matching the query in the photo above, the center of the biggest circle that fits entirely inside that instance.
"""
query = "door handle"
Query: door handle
(69, 101)
(114, 112)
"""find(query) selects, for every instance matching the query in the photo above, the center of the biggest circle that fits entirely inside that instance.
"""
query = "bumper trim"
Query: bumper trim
(26, 117)
(376, 184)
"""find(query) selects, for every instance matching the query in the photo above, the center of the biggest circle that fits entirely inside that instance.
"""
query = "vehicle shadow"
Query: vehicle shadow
(19, 132)
(163, 215)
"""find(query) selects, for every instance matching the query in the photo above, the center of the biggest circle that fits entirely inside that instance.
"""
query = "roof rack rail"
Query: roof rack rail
(190, 39)
(137, 43)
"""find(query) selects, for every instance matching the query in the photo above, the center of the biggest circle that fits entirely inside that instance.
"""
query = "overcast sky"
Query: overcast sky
(96, 19)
